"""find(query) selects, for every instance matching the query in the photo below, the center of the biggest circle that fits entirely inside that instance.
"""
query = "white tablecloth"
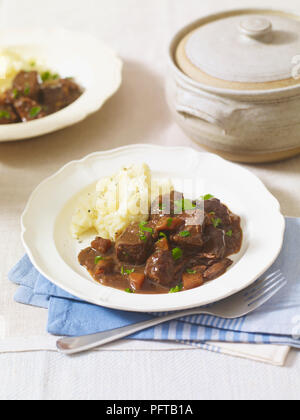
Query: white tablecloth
(139, 30)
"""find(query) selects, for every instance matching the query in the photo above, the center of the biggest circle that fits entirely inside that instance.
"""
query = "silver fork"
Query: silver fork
(236, 306)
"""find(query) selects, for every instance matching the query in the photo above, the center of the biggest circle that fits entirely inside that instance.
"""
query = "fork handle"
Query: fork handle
(74, 345)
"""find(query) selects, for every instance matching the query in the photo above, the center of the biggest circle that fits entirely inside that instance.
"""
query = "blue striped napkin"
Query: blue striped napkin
(277, 322)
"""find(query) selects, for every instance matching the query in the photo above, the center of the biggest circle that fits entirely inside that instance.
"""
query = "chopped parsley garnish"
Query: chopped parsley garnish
(229, 233)
(188, 205)
(143, 237)
(5, 114)
(169, 222)
(15, 93)
(184, 205)
(128, 272)
(216, 222)
(191, 271)
(176, 289)
(98, 259)
(177, 254)
(185, 234)
(47, 75)
(34, 112)
(207, 197)
(163, 235)
(27, 89)
(146, 229)
(129, 291)
(149, 230)
(143, 229)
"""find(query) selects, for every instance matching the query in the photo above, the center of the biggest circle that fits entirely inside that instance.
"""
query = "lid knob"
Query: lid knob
(256, 27)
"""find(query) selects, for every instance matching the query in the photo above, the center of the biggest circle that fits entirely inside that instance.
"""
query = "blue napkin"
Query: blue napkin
(277, 322)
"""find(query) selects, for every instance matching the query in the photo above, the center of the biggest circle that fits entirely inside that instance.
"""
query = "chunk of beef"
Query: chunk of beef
(168, 224)
(9, 97)
(194, 217)
(27, 84)
(214, 243)
(234, 236)
(189, 236)
(87, 257)
(160, 268)
(191, 233)
(218, 210)
(134, 246)
(217, 270)
(28, 109)
(201, 260)
(58, 94)
(102, 245)
(8, 114)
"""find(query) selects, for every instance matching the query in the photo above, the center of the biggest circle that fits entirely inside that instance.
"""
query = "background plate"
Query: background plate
(71, 54)
(46, 222)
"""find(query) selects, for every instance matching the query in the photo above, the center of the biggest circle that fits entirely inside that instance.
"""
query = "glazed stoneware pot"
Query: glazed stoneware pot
(234, 85)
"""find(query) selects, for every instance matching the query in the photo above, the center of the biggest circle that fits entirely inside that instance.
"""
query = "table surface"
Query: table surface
(139, 31)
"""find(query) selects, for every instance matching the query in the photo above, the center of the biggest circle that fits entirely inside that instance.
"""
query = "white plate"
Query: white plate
(71, 54)
(46, 221)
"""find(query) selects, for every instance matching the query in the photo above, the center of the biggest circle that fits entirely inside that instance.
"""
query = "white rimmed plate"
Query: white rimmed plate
(71, 54)
(52, 250)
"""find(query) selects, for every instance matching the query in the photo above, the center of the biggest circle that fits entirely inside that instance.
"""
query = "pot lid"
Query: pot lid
(245, 49)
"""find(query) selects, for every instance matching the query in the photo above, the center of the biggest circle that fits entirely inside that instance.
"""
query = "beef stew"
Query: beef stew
(34, 96)
(183, 245)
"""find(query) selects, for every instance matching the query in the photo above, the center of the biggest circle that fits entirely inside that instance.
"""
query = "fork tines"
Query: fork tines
(265, 288)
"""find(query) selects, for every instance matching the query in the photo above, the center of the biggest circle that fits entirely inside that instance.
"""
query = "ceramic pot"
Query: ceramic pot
(234, 84)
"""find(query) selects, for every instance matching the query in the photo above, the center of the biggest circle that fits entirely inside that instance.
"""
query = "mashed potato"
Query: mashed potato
(12, 61)
(118, 201)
